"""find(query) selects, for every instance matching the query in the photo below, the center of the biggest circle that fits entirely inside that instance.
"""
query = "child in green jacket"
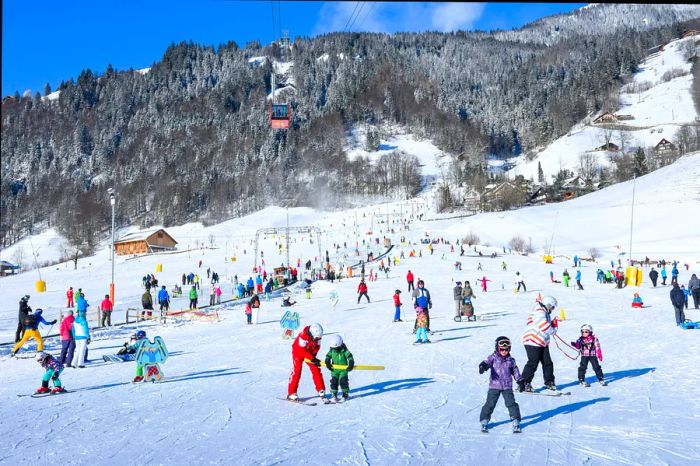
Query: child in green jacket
(339, 355)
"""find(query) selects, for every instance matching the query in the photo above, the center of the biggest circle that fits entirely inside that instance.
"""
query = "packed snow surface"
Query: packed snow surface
(218, 402)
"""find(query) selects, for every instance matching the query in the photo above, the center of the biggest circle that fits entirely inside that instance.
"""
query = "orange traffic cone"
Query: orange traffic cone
(562, 315)
(539, 297)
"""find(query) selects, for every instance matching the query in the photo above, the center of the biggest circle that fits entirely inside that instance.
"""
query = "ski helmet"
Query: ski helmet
(549, 302)
(316, 331)
(587, 327)
(141, 334)
(40, 356)
(38, 311)
(502, 342)
(336, 341)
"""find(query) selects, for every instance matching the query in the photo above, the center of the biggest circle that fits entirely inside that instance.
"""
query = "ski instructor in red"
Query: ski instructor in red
(306, 346)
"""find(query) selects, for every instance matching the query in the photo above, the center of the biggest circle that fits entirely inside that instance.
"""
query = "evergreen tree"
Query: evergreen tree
(47, 89)
(540, 172)
(640, 163)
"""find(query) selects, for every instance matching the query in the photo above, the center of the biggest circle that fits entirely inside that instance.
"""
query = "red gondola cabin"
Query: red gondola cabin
(280, 115)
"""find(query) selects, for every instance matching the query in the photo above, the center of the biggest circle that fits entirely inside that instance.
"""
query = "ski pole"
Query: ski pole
(359, 367)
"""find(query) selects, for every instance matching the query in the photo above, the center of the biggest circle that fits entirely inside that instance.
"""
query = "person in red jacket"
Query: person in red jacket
(362, 291)
(409, 279)
(67, 341)
(106, 308)
(69, 295)
(397, 304)
(306, 346)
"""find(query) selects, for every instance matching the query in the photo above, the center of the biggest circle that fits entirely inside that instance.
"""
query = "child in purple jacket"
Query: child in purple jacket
(503, 371)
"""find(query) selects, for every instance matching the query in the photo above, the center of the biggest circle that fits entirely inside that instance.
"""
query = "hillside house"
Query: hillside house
(504, 193)
(610, 146)
(8, 268)
(472, 200)
(606, 117)
(145, 242)
(571, 188)
(664, 147)
(689, 33)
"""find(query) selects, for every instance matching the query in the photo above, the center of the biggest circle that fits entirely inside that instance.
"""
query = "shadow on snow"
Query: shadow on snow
(545, 415)
(390, 386)
(612, 377)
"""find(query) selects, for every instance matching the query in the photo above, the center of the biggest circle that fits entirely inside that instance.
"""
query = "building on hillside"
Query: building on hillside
(689, 33)
(624, 117)
(472, 200)
(142, 242)
(571, 188)
(610, 147)
(664, 146)
(8, 268)
(505, 194)
(606, 117)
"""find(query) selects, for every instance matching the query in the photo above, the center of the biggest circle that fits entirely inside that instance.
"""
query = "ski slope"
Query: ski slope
(218, 403)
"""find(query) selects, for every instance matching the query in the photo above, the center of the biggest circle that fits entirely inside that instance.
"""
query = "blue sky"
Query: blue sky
(49, 42)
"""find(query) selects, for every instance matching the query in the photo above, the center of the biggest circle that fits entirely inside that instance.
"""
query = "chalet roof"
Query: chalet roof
(664, 141)
(141, 236)
(9, 265)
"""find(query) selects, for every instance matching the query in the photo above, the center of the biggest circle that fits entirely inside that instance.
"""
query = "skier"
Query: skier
(478, 267)
(163, 299)
(540, 327)
(106, 309)
(193, 297)
(81, 334)
(578, 279)
(504, 265)
(132, 348)
(664, 275)
(565, 278)
(694, 289)
(457, 296)
(287, 302)
(422, 326)
(397, 306)
(147, 304)
(551, 276)
(339, 355)
(217, 292)
(422, 302)
(674, 273)
(483, 283)
(31, 325)
(519, 280)
(254, 303)
(306, 346)
(467, 305)
(589, 347)
(637, 301)
(503, 370)
(409, 279)
(575, 261)
(53, 371)
(69, 295)
(678, 301)
(362, 291)
(24, 311)
(67, 342)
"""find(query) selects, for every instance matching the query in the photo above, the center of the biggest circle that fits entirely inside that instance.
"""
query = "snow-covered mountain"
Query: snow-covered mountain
(654, 105)
(218, 401)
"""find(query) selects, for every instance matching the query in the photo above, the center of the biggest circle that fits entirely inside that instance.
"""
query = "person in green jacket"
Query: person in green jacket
(339, 355)
(193, 298)
(566, 278)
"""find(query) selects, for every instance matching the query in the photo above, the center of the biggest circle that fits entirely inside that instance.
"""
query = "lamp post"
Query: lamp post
(111, 284)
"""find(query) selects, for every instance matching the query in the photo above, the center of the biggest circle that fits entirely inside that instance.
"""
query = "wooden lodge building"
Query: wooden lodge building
(142, 242)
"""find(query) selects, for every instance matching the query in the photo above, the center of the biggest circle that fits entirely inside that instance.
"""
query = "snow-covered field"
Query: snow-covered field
(218, 403)
(658, 113)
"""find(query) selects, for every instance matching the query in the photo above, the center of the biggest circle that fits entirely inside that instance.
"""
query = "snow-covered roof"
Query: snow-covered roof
(139, 235)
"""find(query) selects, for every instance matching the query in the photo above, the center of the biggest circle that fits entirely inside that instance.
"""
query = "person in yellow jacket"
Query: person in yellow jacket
(31, 325)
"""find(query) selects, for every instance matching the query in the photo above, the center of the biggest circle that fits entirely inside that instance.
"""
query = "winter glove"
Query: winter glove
(555, 323)
(483, 367)
(316, 362)
(329, 366)
(53, 322)
(351, 365)
(88, 341)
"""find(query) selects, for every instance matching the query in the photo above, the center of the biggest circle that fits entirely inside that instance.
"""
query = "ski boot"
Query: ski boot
(485, 426)
(516, 426)
(293, 397)
(551, 386)
(603, 383)
(322, 396)
(584, 383)
(41, 390)
(138, 378)
(345, 396)
(58, 390)
(427, 341)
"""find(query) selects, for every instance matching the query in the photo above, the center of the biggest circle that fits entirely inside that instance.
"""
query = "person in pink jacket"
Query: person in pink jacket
(589, 347)
(218, 294)
(67, 342)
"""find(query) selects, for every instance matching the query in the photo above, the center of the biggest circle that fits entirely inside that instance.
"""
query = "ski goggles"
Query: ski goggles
(504, 345)
(585, 331)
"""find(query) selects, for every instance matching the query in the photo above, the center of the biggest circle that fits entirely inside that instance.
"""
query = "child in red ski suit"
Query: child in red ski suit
(306, 346)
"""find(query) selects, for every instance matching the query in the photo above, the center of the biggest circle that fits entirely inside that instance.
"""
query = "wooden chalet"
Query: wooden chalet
(610, 147)
(606, 117)
(142, 242)
(8, 268)
(689, 33)
(664, 147)
(472, 200)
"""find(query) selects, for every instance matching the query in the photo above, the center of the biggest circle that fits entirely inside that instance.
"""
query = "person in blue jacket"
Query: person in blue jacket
(575, 261)
(664, 275)
(241, 291)
(81, 335)
(268, 289)
(81, 304)
(578, 279)
(674, 274)
(250, 286)
(163, 299)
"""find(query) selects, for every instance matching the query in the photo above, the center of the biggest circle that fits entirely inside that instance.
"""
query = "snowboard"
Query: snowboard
(119, 357)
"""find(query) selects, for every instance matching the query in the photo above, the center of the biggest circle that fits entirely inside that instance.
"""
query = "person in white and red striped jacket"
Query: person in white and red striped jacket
(540, 327)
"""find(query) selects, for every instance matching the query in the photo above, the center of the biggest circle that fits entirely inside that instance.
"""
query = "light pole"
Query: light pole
(111, 285)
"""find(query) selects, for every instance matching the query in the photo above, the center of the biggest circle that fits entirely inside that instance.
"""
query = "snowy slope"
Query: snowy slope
(218, 403)
(658, 113)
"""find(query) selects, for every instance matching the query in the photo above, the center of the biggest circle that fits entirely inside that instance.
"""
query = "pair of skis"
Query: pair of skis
(311, 401)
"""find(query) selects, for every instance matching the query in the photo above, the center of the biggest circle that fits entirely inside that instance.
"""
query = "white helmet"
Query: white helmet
(316, 331)
(40, 356)
(586, 327)
(549, 302)
(336, 341)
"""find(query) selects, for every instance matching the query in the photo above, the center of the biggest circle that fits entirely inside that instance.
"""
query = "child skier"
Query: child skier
(339, 355)
(637, 301)
(503, 370)
(422, 327)
(397, 305)
(53, 371)
(132, 348)
(589, 346)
